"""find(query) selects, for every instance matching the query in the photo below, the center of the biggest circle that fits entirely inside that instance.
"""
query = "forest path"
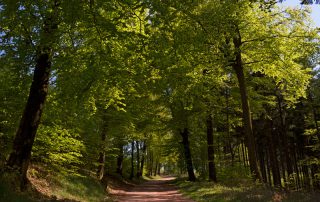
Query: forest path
(152, 191)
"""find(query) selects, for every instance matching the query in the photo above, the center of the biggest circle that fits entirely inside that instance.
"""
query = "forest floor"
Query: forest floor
(152, 191)
(204, 191)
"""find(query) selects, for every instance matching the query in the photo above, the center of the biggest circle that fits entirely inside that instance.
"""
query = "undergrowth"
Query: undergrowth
(239, 187)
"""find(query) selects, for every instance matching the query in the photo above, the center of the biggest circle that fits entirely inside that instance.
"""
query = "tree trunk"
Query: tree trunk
(19, 158)
(262, 163)
(247, 122)
(159, 169)
(268, 165)
(298, 183)
(284, 137)
(211, 164)
(144, 148)
(187, 154)
(102, 155)
(138, 158)
(150, 165)
(243, 148)
(273, 157)
(156, 169)
(120, 161)
(132, 160)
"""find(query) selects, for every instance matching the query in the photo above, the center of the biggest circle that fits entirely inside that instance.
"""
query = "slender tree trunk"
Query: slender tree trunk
(19, 158)
(247, 122)
(138, 158)
(211, 164)
(102, 155)
(120, 161)
(151, 163)
(284, 137)
(243, 149)
(132, 160)
(144, 148)
(268, 168)
(282, 165)
(187, 154)
(159, 169)
(298, 183)
(273, 158)
(262, 163)
(156, 169)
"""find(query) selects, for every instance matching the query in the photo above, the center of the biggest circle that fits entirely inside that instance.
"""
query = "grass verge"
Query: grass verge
(248, 191)
(56, 186)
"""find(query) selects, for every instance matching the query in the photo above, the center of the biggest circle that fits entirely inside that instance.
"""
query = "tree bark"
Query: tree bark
(144, 148)
(156, 169)
(262, 163)
(284, 137)
(120, 161)
(273, 157)
(187, 154)
(211, 163)
(102, 154)
(132, 160)
(247, 122)
(19, 158)
(150, 164)
(159, 168)
(138, 158)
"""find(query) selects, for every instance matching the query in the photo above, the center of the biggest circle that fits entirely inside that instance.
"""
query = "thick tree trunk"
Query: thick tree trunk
(211, 163)
(247, 122)
(187, 154)
(132, 160)
(120, 161)
(19, 158)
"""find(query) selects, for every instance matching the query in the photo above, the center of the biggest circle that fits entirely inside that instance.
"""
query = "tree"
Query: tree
(20, 157)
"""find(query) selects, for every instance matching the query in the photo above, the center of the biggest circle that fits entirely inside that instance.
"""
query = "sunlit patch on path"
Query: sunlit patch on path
(154, 191)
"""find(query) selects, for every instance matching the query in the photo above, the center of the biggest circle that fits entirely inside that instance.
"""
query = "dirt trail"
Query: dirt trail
(151, 191)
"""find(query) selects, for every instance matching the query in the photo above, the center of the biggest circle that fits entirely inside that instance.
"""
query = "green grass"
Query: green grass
(235, 185)
(55, 186)
(7, 195)
(77, 187)
(208, 191)
(219, 192)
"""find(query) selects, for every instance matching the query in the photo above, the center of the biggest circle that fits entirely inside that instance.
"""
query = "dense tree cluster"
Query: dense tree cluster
(143, 87)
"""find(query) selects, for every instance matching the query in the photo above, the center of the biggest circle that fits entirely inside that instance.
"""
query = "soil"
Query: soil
(160, 190)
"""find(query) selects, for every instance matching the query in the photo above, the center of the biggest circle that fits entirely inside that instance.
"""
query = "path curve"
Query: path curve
(152, 191)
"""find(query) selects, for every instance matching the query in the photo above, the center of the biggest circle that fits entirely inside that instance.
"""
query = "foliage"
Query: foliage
(144, 71)
(58, 147)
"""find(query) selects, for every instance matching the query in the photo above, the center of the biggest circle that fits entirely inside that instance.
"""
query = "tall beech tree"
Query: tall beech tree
(21, 154)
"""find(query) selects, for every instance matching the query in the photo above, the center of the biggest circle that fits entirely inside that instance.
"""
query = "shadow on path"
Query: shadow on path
(154, 191)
